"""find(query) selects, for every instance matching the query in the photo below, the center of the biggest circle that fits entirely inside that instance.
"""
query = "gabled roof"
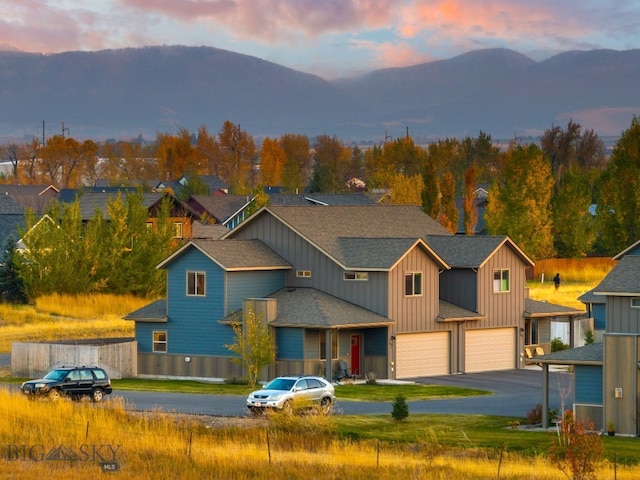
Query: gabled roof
(310, 308)
(538, 309)
(234, 255)
(586, 355)
(630, 250)
(350, 234)
(448, 312)
(8, 206)
(153, 312)
(211, 231)
(322, 199)
(472, 251)
(591, 297)
(220, 207)
(623, 279)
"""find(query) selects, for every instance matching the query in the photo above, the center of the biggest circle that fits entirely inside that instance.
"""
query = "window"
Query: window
(323, 345)
(531, 331)
(160, 342)
(195, 284)
(177, 229)
(359, 276)
(413, 284)
(635, 303)
(501, 281)
(303, 273)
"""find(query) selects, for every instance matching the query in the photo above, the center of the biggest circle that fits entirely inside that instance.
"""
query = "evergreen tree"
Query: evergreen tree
(11, 285)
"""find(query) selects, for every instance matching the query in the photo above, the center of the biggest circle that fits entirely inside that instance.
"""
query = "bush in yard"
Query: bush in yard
(577, 449)
(400, 409)
(557, 344)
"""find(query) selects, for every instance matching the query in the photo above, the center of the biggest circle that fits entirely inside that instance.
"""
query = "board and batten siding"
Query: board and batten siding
(326, 275)
(460, 286)
(502, 309)
(415, 313)
(621, 317)
(621, 356)
(251, 284)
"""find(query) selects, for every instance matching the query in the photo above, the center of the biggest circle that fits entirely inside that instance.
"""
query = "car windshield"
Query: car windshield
(56, 375)
(280, 384)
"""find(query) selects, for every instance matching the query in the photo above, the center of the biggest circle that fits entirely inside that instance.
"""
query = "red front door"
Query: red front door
(355, 354)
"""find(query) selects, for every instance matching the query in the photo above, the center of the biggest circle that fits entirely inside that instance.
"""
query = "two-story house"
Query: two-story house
(383, 287)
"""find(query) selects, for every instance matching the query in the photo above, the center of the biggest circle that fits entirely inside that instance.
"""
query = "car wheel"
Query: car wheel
(326, 405)
(97, 395)
(54, 395)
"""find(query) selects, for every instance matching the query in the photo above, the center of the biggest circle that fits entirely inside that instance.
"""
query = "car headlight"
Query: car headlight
(40, 385)
(275, 397)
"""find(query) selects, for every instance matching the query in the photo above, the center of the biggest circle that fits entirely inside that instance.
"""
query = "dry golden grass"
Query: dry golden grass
(158, 445)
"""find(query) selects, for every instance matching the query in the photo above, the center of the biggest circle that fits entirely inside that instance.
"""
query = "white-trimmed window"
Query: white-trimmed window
(356, 276)
(501, 281)
(177, 229)
(160, 341)
(196, 284)
(323, 345)
(303, 273)
(635, 302)
(413, 284)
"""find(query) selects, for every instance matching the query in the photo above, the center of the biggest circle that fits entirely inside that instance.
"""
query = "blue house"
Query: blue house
(384, 288)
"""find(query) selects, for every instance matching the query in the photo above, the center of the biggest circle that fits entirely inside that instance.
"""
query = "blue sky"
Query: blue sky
(331, 38)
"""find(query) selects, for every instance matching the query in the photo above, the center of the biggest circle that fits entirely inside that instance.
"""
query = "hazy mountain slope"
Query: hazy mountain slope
(123, 93)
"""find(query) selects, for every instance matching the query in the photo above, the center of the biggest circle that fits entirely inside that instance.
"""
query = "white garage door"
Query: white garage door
(490, 349)
(422, 354)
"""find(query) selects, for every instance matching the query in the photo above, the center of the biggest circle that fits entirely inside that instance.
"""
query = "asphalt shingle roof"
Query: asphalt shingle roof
(590, 297)
(470, 251)
(448, 312)
(221, 207)
(536, 308)
(153, 312)
(307, 307)
(623, 279)
(351, 234)
(587, 355)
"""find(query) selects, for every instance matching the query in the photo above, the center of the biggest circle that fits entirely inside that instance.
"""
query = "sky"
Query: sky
(330, 38)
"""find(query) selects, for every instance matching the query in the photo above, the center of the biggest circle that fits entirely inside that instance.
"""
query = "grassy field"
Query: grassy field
(70, 440)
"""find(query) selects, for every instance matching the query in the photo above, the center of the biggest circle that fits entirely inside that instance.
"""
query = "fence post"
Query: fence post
(86, 433)
(500, 460)
(268, 446)
(190, 442)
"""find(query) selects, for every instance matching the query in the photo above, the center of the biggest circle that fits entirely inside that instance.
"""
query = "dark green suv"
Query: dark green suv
(75, 382)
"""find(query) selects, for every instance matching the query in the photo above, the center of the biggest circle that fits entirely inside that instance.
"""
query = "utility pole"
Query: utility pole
(63, 129)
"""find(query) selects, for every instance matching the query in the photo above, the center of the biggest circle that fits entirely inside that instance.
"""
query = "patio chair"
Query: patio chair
(539, 351)
(342, 372)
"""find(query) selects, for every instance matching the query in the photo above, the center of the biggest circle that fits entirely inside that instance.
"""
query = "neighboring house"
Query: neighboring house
(214, 184)
(180, 215)
(384, 288)
(595, 305)
(11, 219)
(35, 197)
(608, 373)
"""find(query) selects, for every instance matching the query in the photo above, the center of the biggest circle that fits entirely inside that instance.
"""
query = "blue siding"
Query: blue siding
(588, 383)
(598, 311)
(375, 341)
(258, 284)
(290, 343)
(634, 251)
(144, 335)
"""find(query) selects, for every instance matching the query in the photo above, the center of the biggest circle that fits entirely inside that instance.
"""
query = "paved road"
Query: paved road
(515, 394)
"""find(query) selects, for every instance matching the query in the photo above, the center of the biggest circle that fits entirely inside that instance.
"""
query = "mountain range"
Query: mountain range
(133, 92)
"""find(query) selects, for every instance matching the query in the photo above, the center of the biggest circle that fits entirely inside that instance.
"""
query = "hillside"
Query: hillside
(130, 92)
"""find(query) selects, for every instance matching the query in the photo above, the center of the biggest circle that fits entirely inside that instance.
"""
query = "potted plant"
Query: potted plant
(611, 429)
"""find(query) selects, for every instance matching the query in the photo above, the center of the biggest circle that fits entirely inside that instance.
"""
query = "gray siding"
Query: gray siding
(460, 286)
(326, 276)
(621, 318)
(621, 372)
(415, 313)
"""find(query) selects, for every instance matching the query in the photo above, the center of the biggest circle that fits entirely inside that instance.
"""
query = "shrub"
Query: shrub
(400, 409)
(588, 337)
(576, 448)
(557, 344)
(371, 378)
(534, 416)
(236, 381)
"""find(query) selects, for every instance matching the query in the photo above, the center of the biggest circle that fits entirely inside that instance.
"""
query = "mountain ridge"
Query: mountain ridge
(124, 93)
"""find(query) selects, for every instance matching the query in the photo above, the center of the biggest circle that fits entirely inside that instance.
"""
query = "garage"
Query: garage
(490, 349)
(422, 354)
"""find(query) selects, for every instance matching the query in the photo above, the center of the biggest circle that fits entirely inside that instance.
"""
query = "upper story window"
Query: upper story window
(303, 273)
(196, 283)
(160, 341)
(177, 229)
(635, 302)
(359, 276)
(413, 284)
(501, 281)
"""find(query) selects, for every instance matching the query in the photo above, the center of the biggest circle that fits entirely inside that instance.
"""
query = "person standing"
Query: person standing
(556, 281)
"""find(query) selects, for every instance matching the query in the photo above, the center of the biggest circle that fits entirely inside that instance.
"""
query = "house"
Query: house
(11, 219)
(214, 184)
(35, 197)
(384, 288)
(181, 216)
(607, 374)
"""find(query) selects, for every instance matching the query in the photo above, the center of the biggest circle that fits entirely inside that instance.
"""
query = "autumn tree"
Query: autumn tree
(175, 154)
(431, 192)
(272, 161)
(448, 216)
(297, 167)
(469, 211)
(330, 167)
(66, 162)
(406, 190)
(519, 203)
(254, 345)
(618, 211)
(238, 151)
